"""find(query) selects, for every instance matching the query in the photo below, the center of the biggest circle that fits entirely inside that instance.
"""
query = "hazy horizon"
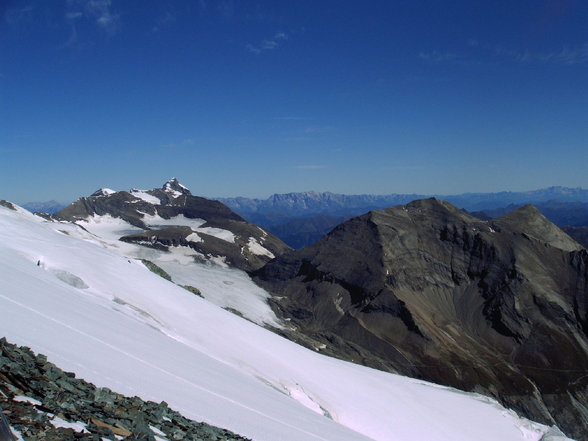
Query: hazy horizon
(213, 197)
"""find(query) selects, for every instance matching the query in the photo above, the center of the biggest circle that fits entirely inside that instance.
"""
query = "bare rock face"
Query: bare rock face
(499, 307)
(171, 216)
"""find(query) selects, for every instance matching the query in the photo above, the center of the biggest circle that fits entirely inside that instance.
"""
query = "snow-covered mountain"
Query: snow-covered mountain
(172, 218)
(314, 203)
(110, 320)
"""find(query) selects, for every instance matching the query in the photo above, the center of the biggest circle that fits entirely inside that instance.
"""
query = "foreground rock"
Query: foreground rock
(44, 403)
(498, 307)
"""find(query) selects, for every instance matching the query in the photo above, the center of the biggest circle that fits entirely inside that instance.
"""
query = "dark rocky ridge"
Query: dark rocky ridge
(571, 217)
(105, 413)
(498, 307)
(176, 200)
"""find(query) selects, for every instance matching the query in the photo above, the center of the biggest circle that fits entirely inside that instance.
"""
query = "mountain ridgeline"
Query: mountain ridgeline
(312, 202)
(172, 217)
(426, 290)
(300, 219)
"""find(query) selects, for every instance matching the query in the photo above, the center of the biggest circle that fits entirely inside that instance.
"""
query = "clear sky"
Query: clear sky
(250, 98)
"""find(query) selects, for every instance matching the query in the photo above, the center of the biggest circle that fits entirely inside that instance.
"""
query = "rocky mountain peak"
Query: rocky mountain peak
(529, 220)
(424, 213)
(174, 187)
(103, 192)
(430, 291)
(432, 205)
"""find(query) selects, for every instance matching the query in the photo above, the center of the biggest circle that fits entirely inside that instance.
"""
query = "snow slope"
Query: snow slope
(114, 323)
(226, 287)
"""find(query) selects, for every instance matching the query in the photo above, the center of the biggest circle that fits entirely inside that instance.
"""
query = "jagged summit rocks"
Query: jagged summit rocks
(171, 216)
(174, 187)
(426, 290)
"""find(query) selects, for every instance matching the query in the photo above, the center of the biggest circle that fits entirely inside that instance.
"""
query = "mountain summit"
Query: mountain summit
(174, 187)
(169, 218)
(424, 289)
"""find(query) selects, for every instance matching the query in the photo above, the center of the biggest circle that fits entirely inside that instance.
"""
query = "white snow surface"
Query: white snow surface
(224, 286)
(25, 399)
(139, 334)
(173, 193)
(155, 221)
(256, 248)
(193, 238)
(220, 233)
(17, 434)
(78, 426)
(143, 195)
(106, 191)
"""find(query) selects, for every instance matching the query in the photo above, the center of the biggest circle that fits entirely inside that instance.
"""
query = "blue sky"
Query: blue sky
(258, 97)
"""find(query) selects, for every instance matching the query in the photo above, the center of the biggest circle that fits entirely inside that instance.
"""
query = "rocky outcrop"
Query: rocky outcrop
(498, 307)
(44, 403)
(7, 204)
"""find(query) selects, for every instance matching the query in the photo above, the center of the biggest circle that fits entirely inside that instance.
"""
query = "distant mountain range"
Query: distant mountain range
(333, 204)
(49, 207)
(300, 219)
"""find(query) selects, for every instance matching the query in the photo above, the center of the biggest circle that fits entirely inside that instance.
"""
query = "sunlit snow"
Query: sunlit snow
(226, 287)
(138, 334)
(104, 192)
(256, 248)
(141, 194)
(25, 399)
(193, 237)
(156, 221)
(77, 426)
